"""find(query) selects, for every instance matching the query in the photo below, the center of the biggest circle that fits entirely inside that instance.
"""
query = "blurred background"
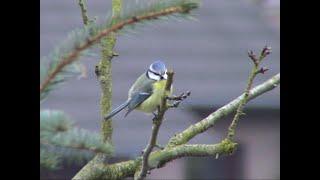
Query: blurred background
(209, 57)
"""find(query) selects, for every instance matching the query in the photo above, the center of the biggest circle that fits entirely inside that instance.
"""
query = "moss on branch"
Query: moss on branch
(203, 125)
(157, 159)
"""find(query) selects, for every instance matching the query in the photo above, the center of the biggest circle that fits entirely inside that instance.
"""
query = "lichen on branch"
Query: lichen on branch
(209, 121)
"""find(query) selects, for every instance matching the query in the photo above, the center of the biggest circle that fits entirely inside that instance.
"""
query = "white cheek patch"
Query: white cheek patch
(165, 76)
(153, 76)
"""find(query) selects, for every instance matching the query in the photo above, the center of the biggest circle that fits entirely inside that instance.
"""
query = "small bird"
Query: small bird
(147, 91)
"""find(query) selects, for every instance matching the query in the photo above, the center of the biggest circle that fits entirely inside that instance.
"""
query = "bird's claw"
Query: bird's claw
(178, 99)
(155, 117)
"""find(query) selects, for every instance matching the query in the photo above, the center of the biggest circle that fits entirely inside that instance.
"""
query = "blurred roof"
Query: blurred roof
(209, 57)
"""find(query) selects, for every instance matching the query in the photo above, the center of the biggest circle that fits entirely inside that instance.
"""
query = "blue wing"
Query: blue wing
(136, 100)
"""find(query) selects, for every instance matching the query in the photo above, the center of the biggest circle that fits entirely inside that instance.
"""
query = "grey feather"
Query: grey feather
(117, 110)
(142, 85)
(136, 100)
(139, 92)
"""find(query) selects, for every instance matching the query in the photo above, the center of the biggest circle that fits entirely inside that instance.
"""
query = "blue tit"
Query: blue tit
(146, 93)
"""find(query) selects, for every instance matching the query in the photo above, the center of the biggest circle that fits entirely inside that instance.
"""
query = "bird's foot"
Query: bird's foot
(178, 99)
(155, 118)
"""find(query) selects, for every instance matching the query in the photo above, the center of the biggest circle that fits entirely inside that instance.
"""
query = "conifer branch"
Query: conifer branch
(76, 138)
(72, 146)
(182, 7)
(48, 160)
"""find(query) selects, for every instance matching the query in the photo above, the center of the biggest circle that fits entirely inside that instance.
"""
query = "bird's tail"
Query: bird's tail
(116, 110)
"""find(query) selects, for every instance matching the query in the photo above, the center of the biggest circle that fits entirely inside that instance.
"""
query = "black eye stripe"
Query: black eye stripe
(154, 73)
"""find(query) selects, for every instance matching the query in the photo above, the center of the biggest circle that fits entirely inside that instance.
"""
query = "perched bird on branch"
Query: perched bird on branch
(146, 93)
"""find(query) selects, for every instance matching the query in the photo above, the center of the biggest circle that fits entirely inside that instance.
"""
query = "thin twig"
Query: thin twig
(155, 128)
(72, 56)
(104, 74)
(255, 70)
(84, 14)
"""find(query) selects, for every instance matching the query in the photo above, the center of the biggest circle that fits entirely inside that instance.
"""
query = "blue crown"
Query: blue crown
(158, 66)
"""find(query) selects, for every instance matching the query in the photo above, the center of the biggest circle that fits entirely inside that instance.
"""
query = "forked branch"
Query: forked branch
(255, 70)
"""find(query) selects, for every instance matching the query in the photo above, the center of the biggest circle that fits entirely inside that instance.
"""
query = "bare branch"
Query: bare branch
(84, 14)
(155, 129)
(255, 70)
(158, 159)
(209, 121)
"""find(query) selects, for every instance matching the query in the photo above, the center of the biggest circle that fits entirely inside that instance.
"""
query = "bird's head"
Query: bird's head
(157, 71)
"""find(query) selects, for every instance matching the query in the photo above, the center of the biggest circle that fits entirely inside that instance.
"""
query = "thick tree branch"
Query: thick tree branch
(210, 120)
(158, 159)
(157, 121)
(104, 74)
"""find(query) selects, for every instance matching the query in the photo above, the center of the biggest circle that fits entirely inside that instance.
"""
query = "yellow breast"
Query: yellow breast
(151, 104)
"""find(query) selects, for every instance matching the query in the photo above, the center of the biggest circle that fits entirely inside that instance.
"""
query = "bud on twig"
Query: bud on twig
(253, 57)
(263, 70)
(266, 51)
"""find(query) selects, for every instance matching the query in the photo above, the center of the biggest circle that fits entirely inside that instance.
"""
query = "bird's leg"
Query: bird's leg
(178, 99)
(175, 104)
(181, 97)
(155, 114)
(155, 117)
